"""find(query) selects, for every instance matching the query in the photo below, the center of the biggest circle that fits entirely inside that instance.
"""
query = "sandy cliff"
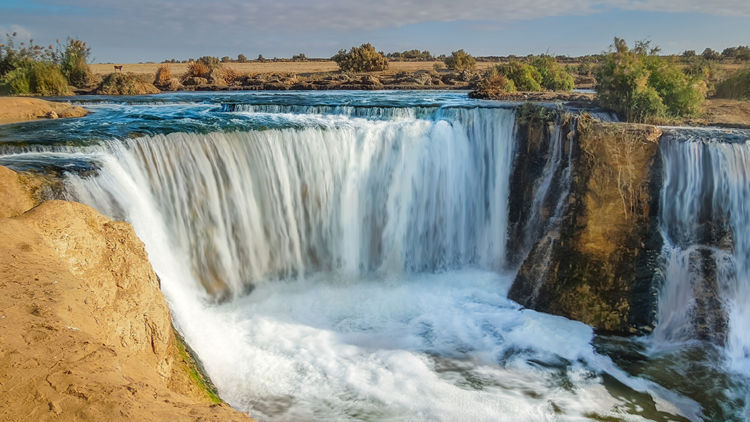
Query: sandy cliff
(85, 333)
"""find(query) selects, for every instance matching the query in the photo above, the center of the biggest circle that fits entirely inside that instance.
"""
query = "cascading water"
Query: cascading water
(705, 218)
(342, 256)
(345, 196)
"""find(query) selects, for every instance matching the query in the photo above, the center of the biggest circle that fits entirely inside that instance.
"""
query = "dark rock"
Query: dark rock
(596, 263)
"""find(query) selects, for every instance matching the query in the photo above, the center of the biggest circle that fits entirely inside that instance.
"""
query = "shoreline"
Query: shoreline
(24, 109)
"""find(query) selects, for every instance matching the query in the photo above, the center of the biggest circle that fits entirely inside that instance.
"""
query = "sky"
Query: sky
(154, 30)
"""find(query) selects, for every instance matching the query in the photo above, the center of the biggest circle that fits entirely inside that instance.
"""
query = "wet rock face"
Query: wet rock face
(595, 261)
(540, 181)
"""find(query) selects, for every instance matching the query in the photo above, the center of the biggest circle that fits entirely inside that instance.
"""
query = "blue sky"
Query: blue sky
(143, 30)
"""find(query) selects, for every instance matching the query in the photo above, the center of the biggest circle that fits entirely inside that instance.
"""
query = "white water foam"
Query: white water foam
(371, 235)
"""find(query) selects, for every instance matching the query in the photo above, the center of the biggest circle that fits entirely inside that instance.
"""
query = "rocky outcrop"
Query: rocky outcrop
(125, 84)
(597, 263)
(19, 109)
(85, 333)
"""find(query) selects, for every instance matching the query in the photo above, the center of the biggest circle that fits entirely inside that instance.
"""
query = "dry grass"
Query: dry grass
(163, 75)
(197, 69)
(271, 67)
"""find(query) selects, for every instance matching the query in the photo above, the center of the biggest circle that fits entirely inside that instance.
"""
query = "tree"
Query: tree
(72, 59)
(225, 59)
(361, 59)
(710, 54)
(554, 76)
(241, 58)
(460, 61)
(640, 86)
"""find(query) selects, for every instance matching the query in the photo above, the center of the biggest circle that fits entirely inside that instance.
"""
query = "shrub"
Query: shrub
(230, 75)
(524, 76)
(40, 78)
(197, 69)
(360, 59)
(640, 86)
(736, 86)
(554, 76)
(72, 60)
(493, 83)
(46, 79)
(210, 62)
(16, 82)
(460, 61)
(12, 56)
(163, 75)
(125, 84)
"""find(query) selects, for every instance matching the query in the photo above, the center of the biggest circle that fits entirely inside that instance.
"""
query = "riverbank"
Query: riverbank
(85, 333)
(21, 109)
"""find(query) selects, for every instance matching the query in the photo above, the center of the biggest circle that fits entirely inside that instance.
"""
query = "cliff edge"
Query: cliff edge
(85, 333)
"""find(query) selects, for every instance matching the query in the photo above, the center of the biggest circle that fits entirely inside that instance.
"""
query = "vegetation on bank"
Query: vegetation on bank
(126, 84)
(361, 59)
(641, 86)
(539, 73)
(736, 86)
(460, 61)
(30, 69)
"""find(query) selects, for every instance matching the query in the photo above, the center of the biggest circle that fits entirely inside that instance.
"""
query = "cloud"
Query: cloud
(147, 29)
(345, 15)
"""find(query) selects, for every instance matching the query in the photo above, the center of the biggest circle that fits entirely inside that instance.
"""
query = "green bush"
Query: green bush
(736, 86)
(16, 82)
(554, 76)
(524, 76)
(72, 60)
(460, 61)
(360, 59)
(640, 86)
(39, 78)
(47, 79)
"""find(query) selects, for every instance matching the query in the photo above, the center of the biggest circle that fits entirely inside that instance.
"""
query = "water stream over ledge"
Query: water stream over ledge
(342, 256)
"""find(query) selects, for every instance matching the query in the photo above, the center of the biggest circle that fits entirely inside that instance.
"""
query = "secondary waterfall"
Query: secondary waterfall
(705, 217)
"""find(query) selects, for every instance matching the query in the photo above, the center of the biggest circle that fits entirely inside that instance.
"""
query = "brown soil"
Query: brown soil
(20, 109)
(722, 112)
(85, 333)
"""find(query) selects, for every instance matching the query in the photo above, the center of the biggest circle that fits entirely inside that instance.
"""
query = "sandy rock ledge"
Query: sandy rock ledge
(85, 333)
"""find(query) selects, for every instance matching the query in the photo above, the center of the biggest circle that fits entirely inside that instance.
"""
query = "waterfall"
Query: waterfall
(373, 239)
(349, 197)
(705, 220)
